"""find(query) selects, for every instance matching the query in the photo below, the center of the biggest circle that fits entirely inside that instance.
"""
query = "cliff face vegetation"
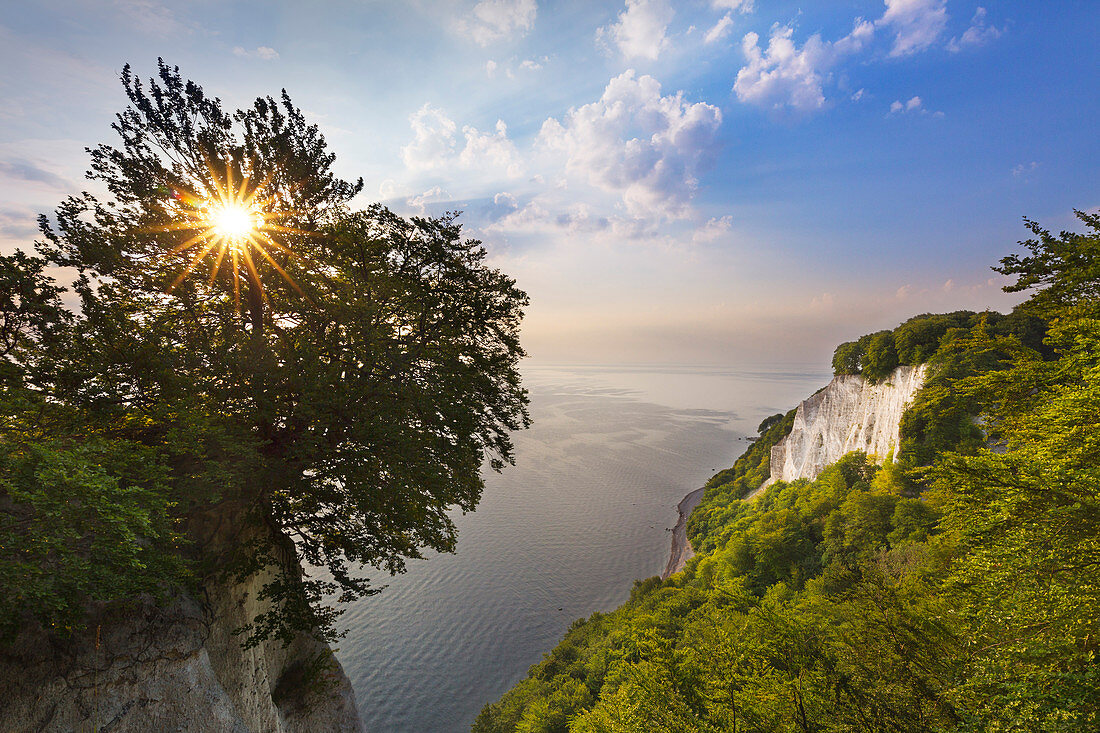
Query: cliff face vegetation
(951, 589)
(247, 378)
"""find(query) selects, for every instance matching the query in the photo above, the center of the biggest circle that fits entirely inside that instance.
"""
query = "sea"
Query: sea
(586, 510)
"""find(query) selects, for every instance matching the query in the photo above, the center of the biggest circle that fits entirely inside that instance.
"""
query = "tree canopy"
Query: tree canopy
(338, 379)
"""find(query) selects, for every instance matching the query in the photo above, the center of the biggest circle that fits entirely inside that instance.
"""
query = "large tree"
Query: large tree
(334, 377)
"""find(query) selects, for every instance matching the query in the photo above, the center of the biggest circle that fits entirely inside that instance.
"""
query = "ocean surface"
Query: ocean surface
(587, 509)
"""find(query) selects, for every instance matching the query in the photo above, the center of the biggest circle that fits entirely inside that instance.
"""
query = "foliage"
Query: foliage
(807, 616)
(919, 339)
(857, 602)
(1028, 523)
(346, 407)
(31, 313)
(83, 519)
(727, 487)
(1064, 270)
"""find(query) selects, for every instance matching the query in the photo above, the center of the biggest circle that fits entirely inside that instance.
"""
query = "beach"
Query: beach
(681, 547)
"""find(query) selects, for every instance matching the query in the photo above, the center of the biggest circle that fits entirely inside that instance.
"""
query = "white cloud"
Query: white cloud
(978, 34)
(713, 229)
(490, 67)
(544, 218)
(387, 188)
(434, 145)
(530, 65)
(640, 29)
(917, 24)
(495, 20)
(637, 143)
(743, 6)
(532, 217)
(915, 105)
(784, 75)
(264, 53)
(431, 196)
(1024, 169)
(491, 151)
(858, 95)
(433, 141)
(720, 30)
(860, 35)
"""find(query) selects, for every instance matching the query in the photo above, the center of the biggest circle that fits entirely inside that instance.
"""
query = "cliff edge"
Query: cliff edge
(850, 414)
(176, 668)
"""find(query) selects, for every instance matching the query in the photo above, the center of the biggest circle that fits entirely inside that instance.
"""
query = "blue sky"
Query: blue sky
(718, 182)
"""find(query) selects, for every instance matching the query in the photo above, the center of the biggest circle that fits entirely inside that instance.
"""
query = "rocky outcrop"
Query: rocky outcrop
(850, 414)
(179, 668)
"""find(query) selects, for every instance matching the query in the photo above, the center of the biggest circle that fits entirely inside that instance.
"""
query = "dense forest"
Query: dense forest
(952, 589)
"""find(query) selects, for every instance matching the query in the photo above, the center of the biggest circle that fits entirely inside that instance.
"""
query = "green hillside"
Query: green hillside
(954, 589)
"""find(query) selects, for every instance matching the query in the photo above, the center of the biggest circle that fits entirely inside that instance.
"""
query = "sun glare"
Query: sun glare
(232, 225)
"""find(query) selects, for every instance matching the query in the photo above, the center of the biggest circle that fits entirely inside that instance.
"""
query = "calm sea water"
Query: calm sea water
(586, 510)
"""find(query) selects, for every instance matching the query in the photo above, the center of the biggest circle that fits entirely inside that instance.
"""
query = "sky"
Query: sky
(716, 182)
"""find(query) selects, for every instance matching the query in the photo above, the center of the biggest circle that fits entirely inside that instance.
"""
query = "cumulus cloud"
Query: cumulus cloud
(915, 105)
(433, 195)
(720, 30)
(784, 75)
(433, 139)
(637, 143)
(491, 151)
(978, 34)
(264, 53)
(495, 20)
(917, 24)
(434, 145)
(640, 30)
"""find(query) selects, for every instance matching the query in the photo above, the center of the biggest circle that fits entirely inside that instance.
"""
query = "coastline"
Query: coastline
(681, 547)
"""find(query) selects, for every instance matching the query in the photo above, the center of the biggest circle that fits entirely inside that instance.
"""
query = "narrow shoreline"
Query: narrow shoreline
(682, 550)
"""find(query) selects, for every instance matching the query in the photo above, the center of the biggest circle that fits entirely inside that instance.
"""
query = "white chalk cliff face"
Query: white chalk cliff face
(176, 669)
(848, 415)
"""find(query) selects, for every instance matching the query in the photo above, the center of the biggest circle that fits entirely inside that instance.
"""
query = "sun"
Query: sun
(233, 223)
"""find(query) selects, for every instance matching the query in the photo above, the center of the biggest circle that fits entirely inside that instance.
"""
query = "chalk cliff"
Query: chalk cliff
(179, 668)
(850, 414)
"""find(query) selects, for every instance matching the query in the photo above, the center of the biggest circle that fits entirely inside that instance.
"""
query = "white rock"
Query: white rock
(850, 414)
(175, 669)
